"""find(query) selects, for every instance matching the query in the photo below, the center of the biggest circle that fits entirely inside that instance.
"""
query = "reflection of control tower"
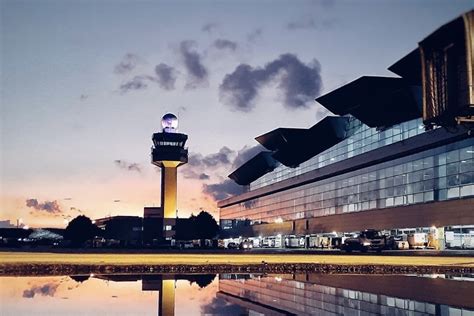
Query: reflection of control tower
(169, 153)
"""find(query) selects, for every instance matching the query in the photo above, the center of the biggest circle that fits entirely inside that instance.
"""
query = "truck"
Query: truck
(369, 239)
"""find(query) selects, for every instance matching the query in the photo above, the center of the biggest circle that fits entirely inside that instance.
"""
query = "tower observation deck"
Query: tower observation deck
(168, 153)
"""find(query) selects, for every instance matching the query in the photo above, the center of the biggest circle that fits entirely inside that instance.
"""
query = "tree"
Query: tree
(202, 226)
(79, 230)
(206, 226)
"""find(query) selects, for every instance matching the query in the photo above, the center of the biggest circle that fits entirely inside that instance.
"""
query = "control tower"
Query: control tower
(168, 153)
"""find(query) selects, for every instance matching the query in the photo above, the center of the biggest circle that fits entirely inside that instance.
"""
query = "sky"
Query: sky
(84, 85)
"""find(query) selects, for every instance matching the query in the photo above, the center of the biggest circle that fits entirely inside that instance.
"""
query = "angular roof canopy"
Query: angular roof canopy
(409, 67)
(281, 136)
(253, 169)
(376, 101)
(323, 135)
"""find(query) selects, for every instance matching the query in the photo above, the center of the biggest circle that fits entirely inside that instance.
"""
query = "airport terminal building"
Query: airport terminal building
(391, 160)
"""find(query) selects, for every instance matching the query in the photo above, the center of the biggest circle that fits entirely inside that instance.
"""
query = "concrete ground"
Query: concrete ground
(248, 258)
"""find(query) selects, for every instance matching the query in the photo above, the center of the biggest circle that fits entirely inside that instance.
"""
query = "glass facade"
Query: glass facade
(442, 173)
(364, 139)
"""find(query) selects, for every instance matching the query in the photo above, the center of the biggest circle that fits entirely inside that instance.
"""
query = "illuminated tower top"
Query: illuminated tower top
(169, 145)
(169, 122)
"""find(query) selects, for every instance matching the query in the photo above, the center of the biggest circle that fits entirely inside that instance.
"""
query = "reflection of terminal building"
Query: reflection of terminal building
(400, 157)
(329, 294)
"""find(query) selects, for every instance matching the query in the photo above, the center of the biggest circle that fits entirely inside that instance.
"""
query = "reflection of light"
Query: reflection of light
(93, 222)
(334, 233)
(433, 227)
(26, 227)
(92, 275)
(279, 220)
(278, 279)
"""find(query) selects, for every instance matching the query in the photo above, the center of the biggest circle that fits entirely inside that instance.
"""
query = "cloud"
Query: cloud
(219, 306)
(222, 190)
(72, 208)
(209, 27)
(83, 97)
(191, 174)
(128, 63)
(254, 35)
(51, 207)
(225, 44)
(300, 83)
(197, 72)
(48, 289)
(137, 83)
(310, 23)
(222, 157)
(128, 166)
(166, 76)
(197, 163)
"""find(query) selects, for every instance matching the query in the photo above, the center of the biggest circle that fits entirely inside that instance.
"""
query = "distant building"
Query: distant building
(152, 226)
(6, 224)
(125, 229)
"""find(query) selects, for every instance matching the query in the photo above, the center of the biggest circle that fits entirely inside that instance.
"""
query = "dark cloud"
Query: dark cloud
(255, 35)
(189, 173)
(209, 27)
(310, 23)
(221, 158)
(197, 163)
(245, 154)
(137, 83)
(51, 207)
(219, 306)
(128, 166)
(197, 72)
(48, 289)
(128, 63)
(300, 83)
(204, 176)
(83, 97)
(225, 44)
(166, 76)
(222, 190)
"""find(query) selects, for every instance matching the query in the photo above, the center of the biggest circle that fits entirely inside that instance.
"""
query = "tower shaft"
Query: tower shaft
(169, 188)
(167, 297)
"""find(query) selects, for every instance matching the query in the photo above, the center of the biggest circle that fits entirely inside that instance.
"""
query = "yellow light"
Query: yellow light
(279, 220)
